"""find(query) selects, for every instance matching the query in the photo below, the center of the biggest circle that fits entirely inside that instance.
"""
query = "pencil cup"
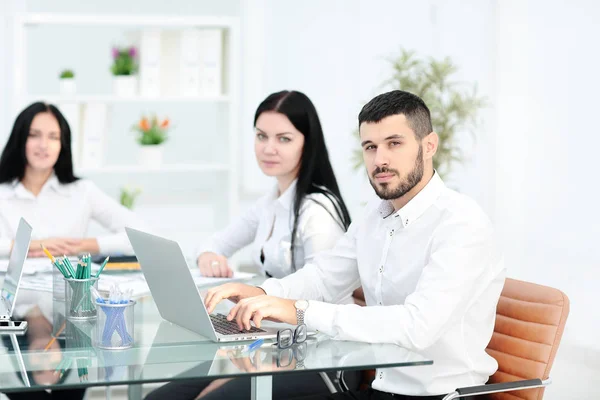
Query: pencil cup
(114, 328)
(78, 298)
(58, 304)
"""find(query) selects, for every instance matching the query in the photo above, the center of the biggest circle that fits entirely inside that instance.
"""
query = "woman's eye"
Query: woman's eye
(261, 136)
(284, 139)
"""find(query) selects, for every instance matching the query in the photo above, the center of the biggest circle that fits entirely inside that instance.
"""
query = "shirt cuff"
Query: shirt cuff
(5, 246)
(320, 316)
(114, 244)
(273, 287)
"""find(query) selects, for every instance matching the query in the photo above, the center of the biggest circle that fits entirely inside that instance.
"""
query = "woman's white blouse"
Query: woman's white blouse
(64, 210)
(319, 228)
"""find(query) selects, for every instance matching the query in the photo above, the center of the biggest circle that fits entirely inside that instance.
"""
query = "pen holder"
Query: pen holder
(58, 304)
(114, 328)
(78, 298)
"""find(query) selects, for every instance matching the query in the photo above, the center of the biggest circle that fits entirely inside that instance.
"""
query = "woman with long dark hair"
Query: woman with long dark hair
(37, 183)
(304, 213)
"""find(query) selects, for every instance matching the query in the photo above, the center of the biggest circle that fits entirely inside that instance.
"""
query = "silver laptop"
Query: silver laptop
(14, 272)
(175, 292)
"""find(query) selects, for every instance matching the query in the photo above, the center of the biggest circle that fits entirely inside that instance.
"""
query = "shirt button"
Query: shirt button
(381, 375)
(406, 222)
(391, 232)
(381, 269)
(380, 303)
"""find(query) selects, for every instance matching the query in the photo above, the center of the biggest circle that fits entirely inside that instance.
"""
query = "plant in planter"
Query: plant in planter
(128, 196)
(124, 69)
(67, 82)
(152, 133)
(454, 106)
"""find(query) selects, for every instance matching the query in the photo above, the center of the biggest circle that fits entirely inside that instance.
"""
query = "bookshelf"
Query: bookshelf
(200, 164)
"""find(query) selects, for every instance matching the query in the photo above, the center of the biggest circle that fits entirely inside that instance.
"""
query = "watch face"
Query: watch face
(301, 304)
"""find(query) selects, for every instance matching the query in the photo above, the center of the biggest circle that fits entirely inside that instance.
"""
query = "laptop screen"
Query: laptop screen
(18, 254)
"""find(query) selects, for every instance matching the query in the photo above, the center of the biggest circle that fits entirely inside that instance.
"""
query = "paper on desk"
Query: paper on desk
(133, 281)
(32, 265)
(205, 281)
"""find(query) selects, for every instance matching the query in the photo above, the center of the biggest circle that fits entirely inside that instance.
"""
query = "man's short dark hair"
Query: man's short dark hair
(399, 102)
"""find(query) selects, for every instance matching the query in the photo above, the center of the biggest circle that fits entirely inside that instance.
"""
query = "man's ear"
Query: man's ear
(430, 145)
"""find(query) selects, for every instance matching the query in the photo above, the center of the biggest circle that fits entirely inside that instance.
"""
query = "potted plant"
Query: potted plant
(128, 196)
(152, 133)
(67, 82)
(124, 69)
(454, 106)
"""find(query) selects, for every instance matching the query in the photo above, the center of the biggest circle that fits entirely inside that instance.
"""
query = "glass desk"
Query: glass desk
(165, 352)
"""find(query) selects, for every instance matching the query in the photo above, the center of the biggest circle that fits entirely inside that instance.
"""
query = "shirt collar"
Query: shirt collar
(417, 205)
(287, 198)
(16, 188)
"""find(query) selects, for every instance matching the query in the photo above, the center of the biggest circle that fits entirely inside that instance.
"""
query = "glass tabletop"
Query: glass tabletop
(163, 352)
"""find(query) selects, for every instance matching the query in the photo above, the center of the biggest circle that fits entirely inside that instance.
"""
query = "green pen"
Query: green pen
(102, 266)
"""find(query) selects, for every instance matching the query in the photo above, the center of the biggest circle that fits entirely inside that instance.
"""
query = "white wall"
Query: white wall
(335, 52)
(546, 151)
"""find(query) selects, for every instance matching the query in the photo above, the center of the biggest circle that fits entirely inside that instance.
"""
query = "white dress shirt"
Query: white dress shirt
(64, 210)
(432, 277)
(268, 224)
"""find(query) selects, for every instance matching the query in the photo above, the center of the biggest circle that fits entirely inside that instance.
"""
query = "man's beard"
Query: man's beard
(385, 192)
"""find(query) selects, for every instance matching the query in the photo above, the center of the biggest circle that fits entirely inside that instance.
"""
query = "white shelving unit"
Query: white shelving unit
(228, 163)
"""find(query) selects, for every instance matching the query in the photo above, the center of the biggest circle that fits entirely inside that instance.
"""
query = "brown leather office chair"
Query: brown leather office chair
(530, 320)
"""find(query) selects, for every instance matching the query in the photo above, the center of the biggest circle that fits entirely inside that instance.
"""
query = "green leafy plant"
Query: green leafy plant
(124, 61)
(129, 195)
(67, 74)
(454, 106)
(152, 131)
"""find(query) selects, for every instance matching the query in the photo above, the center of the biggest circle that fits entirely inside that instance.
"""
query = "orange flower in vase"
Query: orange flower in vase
(151, 131)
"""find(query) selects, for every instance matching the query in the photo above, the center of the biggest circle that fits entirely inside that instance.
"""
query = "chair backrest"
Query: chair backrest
(530, 320)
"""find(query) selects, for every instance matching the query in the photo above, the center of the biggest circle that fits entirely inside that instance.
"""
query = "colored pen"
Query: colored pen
(254, 345)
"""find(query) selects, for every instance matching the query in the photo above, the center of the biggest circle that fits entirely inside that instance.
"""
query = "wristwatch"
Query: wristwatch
(301, 306)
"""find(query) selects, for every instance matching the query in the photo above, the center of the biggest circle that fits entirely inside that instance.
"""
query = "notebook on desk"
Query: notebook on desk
(118, 263)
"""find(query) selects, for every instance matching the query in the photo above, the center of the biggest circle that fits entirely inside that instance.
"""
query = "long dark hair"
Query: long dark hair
(13, 160)
(315, 174)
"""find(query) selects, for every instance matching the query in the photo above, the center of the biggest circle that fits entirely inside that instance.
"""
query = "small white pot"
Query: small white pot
(68, 87)
(125, 85)
(151, 156)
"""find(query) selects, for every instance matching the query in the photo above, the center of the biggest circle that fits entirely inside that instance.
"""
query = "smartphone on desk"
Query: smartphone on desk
(13, 327)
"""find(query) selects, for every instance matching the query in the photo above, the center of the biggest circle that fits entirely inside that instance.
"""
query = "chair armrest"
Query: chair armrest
(497, 387)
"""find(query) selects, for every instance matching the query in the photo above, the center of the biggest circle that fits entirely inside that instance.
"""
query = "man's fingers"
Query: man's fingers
(258, 317)
(244, 317)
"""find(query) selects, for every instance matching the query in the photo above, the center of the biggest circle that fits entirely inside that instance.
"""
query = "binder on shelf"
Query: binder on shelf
(210, 44)
(150, 63)
(189, 58)
(94, 127)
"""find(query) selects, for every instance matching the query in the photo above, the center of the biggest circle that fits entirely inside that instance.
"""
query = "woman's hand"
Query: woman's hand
(214, 265)
(56, 246)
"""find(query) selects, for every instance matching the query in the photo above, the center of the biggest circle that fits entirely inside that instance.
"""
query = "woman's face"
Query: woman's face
(43, 142)
(278, 145)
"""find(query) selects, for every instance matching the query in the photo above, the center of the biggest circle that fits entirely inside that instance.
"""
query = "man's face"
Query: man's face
(393, 156)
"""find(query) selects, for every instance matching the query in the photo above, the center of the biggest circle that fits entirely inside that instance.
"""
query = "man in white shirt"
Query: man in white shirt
(425, 255)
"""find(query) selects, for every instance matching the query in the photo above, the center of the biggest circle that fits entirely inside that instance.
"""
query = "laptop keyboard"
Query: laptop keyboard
(225, 327)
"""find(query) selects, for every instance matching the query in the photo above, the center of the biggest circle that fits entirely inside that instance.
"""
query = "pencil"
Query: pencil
(50, 256)
(102, 266)
(62, 328)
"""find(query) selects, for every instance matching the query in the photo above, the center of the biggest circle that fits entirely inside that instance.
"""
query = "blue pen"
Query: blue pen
(254, 345)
